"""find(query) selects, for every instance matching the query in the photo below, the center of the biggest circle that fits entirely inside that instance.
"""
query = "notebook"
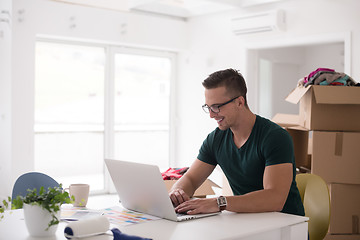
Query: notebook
(141, 188)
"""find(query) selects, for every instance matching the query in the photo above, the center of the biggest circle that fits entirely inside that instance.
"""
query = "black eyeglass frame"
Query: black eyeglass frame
(207, 108)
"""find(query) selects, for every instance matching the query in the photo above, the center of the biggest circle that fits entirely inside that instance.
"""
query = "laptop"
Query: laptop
(141, 188)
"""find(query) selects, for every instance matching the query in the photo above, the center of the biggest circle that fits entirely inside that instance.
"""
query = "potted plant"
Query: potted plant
(41, 209)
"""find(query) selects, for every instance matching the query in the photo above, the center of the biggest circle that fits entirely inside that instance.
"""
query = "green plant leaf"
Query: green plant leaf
(50, 199)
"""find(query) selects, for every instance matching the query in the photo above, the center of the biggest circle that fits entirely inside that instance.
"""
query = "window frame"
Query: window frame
(110, 51)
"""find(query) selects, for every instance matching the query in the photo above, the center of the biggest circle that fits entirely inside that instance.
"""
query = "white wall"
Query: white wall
(5, 97)
(331, 55)
(214, 47)
(32, 18)
(285, 63)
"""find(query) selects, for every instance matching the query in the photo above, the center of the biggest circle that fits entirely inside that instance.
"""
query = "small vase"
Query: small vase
(37, 221)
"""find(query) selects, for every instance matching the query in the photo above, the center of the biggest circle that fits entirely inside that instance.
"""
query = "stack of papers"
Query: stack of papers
(123, 217)
(116, 215)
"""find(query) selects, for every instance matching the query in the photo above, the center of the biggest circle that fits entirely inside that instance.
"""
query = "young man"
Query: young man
(255, 154)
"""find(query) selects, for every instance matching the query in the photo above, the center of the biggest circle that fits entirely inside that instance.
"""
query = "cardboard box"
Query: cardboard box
(341, 237)
(226, 189)
(336, 156)
(330, 108)
(299, 135)
(286, 120)
(300, 141)
(345, 208)
(201, 192)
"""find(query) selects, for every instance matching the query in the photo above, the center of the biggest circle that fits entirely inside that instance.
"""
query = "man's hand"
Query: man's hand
(178, 196)
(200, 205)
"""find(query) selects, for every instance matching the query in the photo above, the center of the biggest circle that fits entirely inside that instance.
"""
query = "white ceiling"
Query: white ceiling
(174, 8)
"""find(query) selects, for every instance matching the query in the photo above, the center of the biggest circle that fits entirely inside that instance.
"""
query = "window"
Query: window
(88, 107)
(142, 93)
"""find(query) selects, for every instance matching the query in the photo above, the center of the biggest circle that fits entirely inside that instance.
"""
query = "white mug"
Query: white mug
(80, 192)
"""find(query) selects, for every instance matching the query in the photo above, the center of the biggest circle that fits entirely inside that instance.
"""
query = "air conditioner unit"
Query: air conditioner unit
(259, 22)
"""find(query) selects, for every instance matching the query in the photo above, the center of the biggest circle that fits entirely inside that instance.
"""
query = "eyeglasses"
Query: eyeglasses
(216, 107)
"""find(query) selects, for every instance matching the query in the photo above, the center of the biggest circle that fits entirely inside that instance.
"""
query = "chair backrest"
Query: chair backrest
(32, 180)
(316, 199)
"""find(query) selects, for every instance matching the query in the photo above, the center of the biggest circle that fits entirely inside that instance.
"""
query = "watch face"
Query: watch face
(222, 201)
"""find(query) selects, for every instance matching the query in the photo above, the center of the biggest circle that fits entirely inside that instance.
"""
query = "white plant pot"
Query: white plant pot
(37, 220)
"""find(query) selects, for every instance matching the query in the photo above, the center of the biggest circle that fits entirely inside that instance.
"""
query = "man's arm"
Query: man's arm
(185, 187)
(277, 181)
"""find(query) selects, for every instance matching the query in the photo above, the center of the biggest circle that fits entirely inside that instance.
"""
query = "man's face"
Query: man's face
(227, 115)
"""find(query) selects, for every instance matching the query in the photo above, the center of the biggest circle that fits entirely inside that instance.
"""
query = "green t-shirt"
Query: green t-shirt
(268, 144)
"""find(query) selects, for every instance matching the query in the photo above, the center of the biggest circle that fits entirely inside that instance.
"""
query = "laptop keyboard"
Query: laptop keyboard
(181, 214)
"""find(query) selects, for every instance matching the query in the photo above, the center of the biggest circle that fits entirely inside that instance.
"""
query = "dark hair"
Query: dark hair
(231, 79)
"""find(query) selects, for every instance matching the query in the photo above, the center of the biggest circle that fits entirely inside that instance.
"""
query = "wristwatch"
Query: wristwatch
(222, 203)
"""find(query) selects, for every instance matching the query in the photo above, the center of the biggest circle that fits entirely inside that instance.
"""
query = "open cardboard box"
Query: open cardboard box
(204, 190)
(329, 108)
(300, 137)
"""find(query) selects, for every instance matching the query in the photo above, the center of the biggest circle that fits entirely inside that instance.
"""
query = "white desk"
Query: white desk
(227, 225)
